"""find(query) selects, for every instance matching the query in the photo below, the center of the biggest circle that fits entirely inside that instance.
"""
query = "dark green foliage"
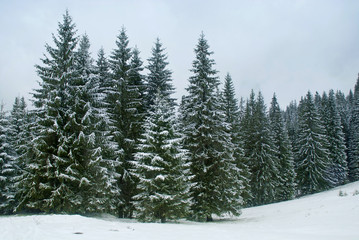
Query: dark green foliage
(335, 137)
(261, 152)
(64, 174)
(232, 115)
(353, 142)
(159, 77)
(7, 164)
(215, 182)
(312, 157)
(161, 167)
(286, 186)
(126, 109)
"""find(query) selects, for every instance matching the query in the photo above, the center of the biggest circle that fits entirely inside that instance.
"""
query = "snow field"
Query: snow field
(324, 215)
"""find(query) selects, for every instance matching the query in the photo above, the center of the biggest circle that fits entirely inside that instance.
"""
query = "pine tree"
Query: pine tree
(353, 149)
(215, 179)
(262, 154)
(64, 174)
(102, 87)
(137, 90)
(159, 76)
(86, 152)
(161, 167)
(286, 187)
(291, 119)
(313, 157)
(7, 164)
(344, 110)
(335, 137)
(47, 178)
(19, 138)
(232, 114)
(126, 102)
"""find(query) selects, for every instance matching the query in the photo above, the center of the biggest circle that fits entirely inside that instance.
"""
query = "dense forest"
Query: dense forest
(103, 137)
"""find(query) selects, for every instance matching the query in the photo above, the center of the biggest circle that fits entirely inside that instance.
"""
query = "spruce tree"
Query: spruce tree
(353, 149)
(7, 164)
(64, 174)
(344, 110)
(47, 180)
(286, 186)
(232, 115)
(263, 156)
(216, 178)
(125, 107)
(19, 137)
(291, 120)
(86, 151)
(102, 88)
(159, 76)
(336, 139)
(161, 166)
(313, 158)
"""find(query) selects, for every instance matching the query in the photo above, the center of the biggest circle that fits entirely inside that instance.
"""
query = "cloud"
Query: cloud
(287, 47)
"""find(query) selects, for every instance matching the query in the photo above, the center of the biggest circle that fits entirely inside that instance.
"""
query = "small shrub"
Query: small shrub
(356, 192)
(342, 194)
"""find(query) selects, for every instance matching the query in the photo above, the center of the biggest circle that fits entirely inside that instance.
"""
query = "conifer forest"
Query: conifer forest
(104, 137)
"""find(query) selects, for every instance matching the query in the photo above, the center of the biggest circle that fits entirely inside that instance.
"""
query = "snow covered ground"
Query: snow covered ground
(320, 216)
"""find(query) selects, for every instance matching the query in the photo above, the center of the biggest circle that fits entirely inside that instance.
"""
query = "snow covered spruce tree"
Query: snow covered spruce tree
(64, 174)
(312, 166)
(216, 179)
(353, 149)
(7, 164)
(125, 111)
(18, 136)
(232, 115)
(137, 90)
(96, 176)
(261, 151)
(161, 166)
(159, 76)
(286, 185)
(291, 122)
(344, 110)
(335, 137)
(43, 188)
(101, 88)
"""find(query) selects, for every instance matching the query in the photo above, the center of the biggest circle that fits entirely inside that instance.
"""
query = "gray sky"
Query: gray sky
(282, 46)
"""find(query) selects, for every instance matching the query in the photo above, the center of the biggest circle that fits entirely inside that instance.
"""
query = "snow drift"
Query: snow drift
(329, 215)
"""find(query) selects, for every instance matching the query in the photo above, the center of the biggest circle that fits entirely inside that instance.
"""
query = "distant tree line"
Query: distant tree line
(105, 138)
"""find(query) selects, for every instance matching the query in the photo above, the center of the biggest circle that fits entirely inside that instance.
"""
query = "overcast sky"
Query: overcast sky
(282, 46)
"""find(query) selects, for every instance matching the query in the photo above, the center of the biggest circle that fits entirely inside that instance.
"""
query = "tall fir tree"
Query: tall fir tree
(94, 188)
(336, 139)
(313, 157)
(64, 174)
(263, 156)
(159, 76)
(286, 187)
(161, 167)
(233, 115)
(47, 178)
(125, 107)
(19, 136)
(291, 120)
(102, 88)
(344, 110)
(353, 148)
(7, 164)
(216, 178)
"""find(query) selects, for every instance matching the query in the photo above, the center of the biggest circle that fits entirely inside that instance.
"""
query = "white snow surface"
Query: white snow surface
(320, 216)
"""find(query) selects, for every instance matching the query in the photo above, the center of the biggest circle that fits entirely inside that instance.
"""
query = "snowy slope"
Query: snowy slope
(321, 216)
